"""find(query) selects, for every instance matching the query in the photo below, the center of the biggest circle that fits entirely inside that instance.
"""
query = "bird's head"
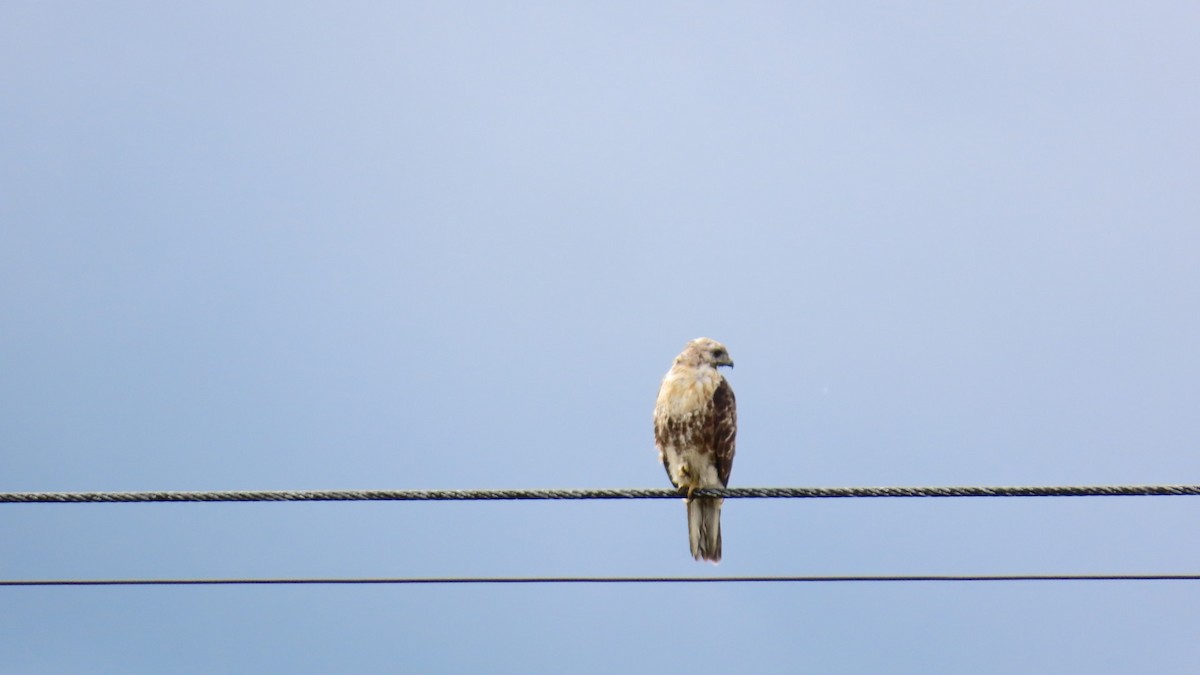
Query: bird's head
(705, 351)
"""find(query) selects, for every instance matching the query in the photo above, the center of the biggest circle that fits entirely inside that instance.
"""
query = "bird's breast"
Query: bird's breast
(684, 393)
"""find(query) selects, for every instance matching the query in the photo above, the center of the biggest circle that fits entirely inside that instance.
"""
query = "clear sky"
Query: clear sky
(293, 245)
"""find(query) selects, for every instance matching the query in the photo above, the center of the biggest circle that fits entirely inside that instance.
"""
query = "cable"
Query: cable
(653, 493)
(602, 580)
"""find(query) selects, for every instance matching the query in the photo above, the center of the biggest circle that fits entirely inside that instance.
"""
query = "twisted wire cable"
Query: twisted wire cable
(578, 494)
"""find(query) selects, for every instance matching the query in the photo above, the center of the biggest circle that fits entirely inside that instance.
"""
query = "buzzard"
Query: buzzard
(695, 425)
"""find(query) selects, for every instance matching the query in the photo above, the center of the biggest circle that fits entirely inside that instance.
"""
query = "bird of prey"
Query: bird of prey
(695, 425)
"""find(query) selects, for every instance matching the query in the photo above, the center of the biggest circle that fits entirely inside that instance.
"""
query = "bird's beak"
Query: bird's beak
(726, 362)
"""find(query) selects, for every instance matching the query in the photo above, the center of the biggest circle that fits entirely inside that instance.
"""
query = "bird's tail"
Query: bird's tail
(704, 527)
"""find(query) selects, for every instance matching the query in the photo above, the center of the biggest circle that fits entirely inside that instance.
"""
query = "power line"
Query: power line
(635, 493)
(601, 580)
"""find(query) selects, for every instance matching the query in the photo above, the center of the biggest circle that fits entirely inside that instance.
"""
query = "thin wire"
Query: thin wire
(653, 493)
(603, 580)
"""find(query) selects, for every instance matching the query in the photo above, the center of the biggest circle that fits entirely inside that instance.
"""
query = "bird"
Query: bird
(695, 431)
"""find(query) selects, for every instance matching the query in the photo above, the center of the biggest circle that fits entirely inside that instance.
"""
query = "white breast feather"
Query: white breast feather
(685, 391)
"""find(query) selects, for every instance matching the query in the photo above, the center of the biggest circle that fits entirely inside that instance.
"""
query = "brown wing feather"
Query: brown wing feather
(661, 430)
(723, 426)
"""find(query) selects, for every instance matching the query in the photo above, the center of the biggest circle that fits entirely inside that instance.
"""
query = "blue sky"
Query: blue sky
(456, 245)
